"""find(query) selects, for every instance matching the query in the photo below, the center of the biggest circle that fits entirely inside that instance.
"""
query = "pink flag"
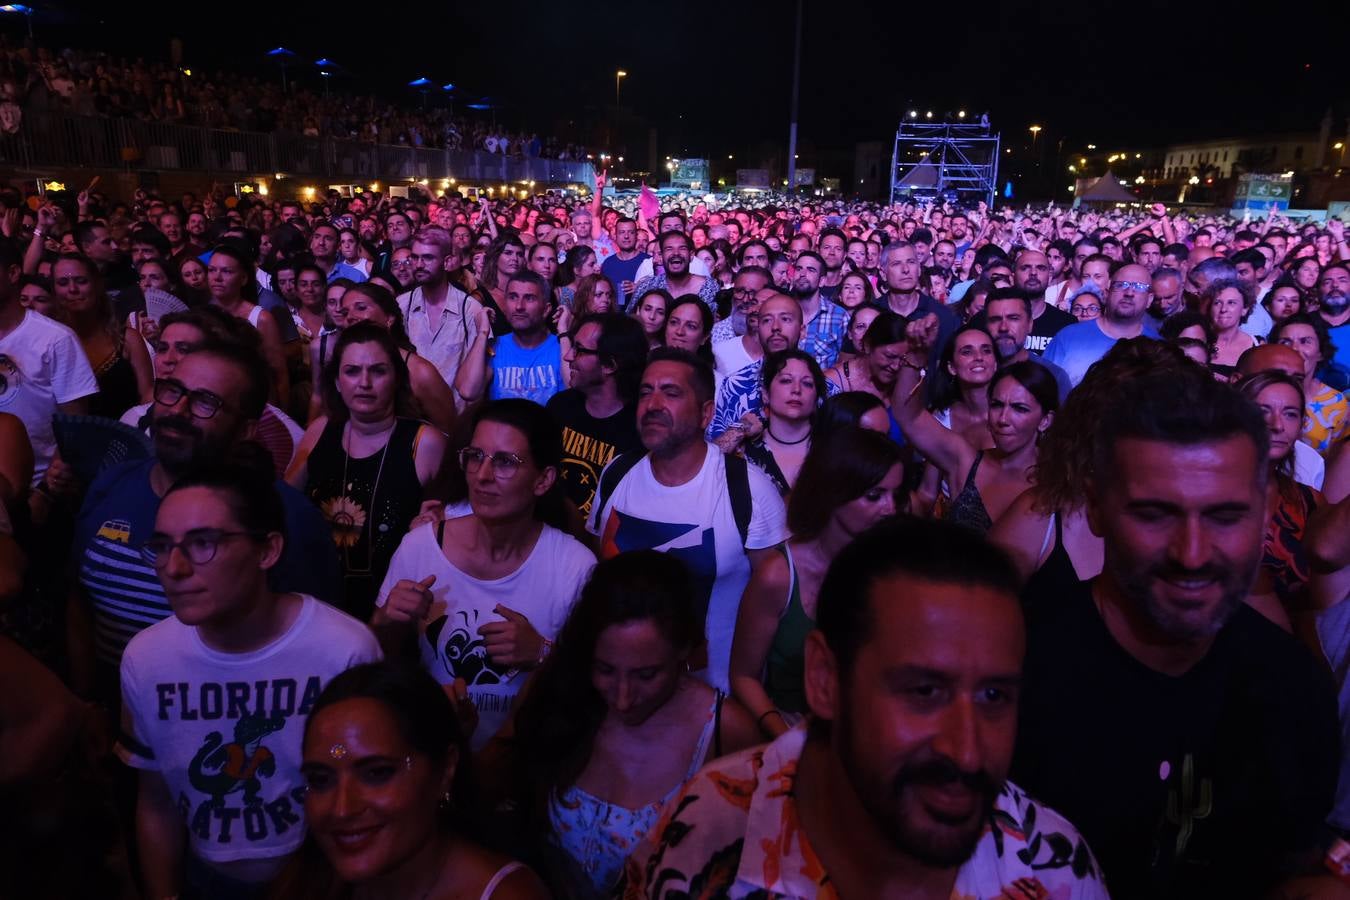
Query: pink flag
(649, 204)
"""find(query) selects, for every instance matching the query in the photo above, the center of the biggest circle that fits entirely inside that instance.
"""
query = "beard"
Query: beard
(186, 448)
(1335, 302)
(1235, 579)
(899, 814)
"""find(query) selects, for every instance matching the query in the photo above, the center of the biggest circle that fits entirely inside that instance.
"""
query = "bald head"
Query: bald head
(1271, 357)
(779, 322)
(1129, 295)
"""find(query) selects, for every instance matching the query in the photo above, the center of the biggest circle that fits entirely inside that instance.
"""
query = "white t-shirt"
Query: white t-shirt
(730, 356)
(543, 590)
(695, 523)
(52, 369)
(224, 729)
(1309, 467)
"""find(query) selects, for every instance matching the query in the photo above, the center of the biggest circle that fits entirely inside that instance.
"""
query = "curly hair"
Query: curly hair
(1064, 458)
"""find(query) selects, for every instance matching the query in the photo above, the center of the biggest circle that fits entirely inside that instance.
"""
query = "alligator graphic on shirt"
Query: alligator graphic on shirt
(219, 769)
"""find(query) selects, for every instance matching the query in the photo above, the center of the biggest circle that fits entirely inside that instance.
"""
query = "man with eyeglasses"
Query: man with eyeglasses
(598, 413)
(205, 413)
(1124, 315)
(438, 316)
(735, 342)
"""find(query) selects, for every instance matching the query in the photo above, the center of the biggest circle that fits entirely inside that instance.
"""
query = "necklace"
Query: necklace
(367, 526)
(803, 438)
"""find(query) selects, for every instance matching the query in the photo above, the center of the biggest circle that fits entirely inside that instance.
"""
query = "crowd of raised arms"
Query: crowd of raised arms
(572, 547)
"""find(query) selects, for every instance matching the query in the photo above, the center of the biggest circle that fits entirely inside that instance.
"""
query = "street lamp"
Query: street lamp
(618, 74)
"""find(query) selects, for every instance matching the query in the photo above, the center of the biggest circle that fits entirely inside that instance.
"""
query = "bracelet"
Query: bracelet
(759, 723)
(544, 650)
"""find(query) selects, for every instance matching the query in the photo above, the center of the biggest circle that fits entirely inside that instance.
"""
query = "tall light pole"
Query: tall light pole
(796, 84)
(619, 74)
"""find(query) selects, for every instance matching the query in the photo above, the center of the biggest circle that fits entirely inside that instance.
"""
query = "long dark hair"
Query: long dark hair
(946, 388)
(426, 721)
(556, 724)
(840, 467)
(366, 333)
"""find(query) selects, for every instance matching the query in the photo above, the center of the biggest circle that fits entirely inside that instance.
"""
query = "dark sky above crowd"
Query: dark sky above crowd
(715, 77)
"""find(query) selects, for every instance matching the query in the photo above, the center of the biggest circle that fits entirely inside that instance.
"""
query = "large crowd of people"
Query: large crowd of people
(785, 549)
(37, 79)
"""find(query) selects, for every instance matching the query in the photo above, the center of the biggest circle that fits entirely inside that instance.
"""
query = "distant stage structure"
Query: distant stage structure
(955, 160)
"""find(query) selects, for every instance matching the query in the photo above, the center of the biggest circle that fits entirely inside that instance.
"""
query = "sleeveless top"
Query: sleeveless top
(1054, 581)
(597, 837)
(498, 877)
(1283, 554)
(785, 667)
(968, 507)
(369, 502)
(117, 390)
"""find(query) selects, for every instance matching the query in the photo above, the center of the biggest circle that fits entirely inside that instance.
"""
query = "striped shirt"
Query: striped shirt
(124, 591)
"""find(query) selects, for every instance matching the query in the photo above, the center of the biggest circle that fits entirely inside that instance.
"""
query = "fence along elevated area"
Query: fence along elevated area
(56, 140)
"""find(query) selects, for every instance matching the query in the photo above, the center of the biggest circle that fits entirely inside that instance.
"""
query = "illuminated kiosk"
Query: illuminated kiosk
(951, 160)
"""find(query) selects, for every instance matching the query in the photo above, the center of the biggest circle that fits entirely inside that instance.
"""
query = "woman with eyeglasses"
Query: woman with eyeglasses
(224, 747)
(389, 798)
(366, 464)
(480, 597)
(1085, 304)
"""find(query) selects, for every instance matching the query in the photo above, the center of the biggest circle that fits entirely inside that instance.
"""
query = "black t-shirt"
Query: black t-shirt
(1191, 786)
(1051, 322)
(589, 443)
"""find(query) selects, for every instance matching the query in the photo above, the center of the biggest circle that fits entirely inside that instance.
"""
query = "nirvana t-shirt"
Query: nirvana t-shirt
(1189, 786)
(695, 522)
(533, 373)
(543, 590)
(224, 729)
(589, 444)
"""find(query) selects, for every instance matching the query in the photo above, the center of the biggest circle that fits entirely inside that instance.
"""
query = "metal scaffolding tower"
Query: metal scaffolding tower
(948, 160)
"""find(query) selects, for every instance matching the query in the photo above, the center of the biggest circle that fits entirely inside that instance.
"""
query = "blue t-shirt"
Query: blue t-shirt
(621, 270)
(124, 590)
(1076, 347)
(1336, 371)
(531, 374)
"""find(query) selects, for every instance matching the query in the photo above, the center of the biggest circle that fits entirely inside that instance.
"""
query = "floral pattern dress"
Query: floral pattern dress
(735, 831)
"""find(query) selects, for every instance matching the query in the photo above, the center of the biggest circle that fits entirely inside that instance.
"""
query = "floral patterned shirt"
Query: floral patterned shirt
(735, 831)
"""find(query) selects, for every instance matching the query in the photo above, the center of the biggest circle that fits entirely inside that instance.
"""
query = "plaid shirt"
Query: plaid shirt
(824, 335)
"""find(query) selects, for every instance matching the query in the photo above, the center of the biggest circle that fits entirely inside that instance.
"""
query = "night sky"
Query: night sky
(715, 78)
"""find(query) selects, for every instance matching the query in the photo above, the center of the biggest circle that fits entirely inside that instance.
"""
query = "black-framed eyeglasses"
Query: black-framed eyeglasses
(504, 465)
(579, 349)
(1085, 310)
(202, 404)
(199, 545)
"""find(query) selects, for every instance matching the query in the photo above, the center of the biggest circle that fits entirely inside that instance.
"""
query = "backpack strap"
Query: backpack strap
(618, 467)
(738, 489)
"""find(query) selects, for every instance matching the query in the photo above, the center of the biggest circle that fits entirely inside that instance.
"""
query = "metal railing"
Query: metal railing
(55, 139)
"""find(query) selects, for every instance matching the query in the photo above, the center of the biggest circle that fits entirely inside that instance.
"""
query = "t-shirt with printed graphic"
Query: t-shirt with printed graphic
(695, 523)
(533, 373)
(589, 444)
(224, 729)
(46, 367)
(543, 590)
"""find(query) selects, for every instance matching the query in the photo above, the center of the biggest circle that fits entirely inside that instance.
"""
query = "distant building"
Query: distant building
(1295, 152)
